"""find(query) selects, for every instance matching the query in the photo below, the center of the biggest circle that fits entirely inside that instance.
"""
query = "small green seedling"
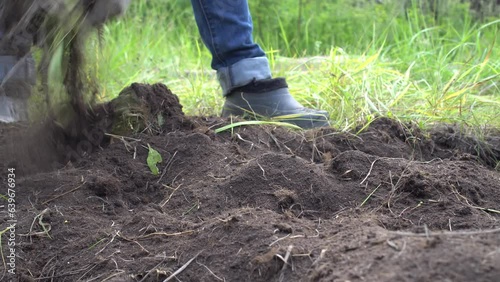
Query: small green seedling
(154, 158)
(1, 247)
(2, 196)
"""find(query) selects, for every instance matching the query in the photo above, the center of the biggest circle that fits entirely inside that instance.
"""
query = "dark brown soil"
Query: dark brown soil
(392, 203)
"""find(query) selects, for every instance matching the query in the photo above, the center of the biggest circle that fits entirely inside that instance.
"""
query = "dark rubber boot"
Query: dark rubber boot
(17, 77)
(13, 109)
(270, 98)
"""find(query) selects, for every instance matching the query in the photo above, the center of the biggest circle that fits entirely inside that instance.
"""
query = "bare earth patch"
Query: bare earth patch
(253, 204)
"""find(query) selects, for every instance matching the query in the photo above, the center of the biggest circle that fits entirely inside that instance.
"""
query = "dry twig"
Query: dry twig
(446, 233)
(285, 262)
(170, 196)
(178, 271)
(369, 172)
(64, 194)
(211, 272)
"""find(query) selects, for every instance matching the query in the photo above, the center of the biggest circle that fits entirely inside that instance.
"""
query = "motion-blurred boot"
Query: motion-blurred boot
(17, 77)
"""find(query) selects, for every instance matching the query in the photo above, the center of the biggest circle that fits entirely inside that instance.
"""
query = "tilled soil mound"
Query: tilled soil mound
(391, 203)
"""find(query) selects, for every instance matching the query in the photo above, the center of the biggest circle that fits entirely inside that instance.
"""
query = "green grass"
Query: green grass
(356, 62)
(255, 122)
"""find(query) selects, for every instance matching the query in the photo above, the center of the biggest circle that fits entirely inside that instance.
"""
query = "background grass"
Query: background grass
(355, 58)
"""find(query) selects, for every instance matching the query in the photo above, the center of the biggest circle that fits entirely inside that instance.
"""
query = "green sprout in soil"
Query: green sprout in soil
(153, 159)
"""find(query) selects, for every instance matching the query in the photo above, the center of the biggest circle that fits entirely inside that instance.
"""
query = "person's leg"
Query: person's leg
(242, 67)
(17, 67)
(226, 29)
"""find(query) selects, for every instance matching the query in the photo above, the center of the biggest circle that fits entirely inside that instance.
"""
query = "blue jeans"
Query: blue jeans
(226, 29)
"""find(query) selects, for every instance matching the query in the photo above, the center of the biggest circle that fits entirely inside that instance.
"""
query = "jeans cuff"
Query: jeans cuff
(242, 73)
